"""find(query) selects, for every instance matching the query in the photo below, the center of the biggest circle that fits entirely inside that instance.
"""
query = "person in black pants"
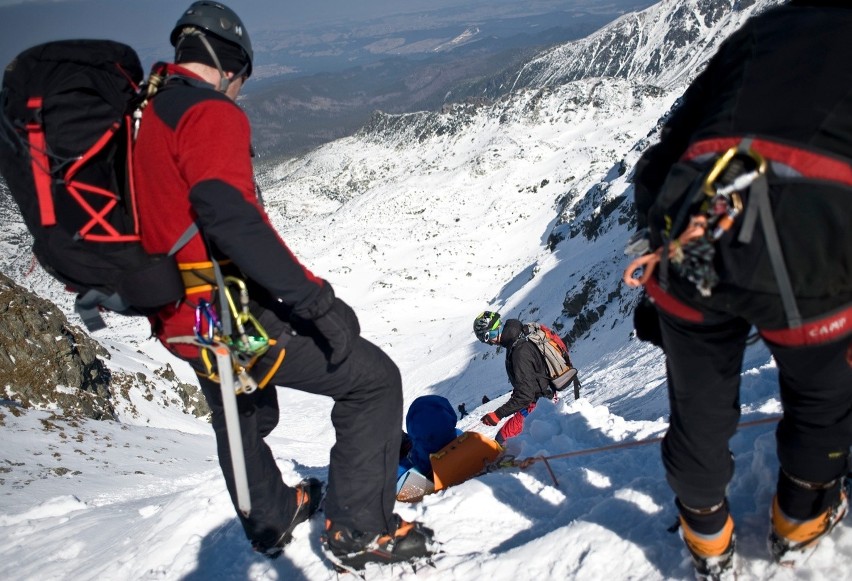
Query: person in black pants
(193, 167)
(746, 201)
(366, 388)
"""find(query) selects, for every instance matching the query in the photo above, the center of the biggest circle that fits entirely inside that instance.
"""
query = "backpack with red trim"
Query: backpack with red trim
(773, 221)
(66, 138)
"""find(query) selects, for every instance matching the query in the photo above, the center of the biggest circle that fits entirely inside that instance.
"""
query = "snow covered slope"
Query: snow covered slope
(422, 221)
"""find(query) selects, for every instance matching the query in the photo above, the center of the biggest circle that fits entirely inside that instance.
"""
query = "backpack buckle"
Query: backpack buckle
(35, 109)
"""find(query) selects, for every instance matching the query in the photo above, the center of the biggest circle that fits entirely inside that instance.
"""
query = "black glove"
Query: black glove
(340, 327)
(490, 419)
(646, 321)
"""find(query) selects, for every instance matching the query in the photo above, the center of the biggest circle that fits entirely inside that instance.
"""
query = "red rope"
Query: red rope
(527, 462)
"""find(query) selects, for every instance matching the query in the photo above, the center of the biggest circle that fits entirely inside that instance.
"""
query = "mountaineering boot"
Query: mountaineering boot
(792, 540)
(712, 555)
(308, 499)
(352, 550)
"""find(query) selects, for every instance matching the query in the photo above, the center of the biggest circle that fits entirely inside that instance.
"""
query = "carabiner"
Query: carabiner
(204, 312)
(740, 182)
(258, 342)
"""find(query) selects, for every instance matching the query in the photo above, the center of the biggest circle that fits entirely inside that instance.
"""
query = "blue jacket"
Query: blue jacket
(431, 425)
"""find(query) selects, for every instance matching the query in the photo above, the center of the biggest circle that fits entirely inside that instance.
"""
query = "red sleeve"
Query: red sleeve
(214, 141)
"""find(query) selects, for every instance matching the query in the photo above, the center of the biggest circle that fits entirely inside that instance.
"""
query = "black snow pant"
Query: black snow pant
(367, 418)
(703, 363)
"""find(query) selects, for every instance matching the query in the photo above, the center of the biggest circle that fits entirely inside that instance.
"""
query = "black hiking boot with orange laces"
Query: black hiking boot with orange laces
(791, 541)
(352, 550)
(309, 496)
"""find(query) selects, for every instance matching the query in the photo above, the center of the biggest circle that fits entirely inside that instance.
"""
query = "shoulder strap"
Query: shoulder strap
(184, 239)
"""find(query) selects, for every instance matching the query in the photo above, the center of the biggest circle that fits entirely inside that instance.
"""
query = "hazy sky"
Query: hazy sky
(145, 24)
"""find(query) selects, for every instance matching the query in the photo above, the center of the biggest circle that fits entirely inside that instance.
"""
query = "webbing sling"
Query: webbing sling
(797, 161)
(759, 206)
(39, 161)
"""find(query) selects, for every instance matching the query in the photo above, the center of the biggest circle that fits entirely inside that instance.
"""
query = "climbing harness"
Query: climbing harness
(736, 190)
(245, 345)
(720, 195)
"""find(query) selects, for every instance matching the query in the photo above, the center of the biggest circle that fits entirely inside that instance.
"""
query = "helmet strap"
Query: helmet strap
(224, 81)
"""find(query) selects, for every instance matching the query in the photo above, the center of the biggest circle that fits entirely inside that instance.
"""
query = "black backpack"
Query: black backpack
(66, 138)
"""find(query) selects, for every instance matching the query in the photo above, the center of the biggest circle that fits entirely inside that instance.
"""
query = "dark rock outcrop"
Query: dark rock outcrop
(45, 361)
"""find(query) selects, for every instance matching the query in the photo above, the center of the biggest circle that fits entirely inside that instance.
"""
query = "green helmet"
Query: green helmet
(217, 19)
(486, 326)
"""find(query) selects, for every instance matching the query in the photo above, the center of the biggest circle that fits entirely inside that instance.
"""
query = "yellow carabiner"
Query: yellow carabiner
(258, 343)
(229, 280)
(721, 164)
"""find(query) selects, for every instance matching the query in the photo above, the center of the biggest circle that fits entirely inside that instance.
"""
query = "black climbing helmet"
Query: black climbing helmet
(218, 20)
(486, 326)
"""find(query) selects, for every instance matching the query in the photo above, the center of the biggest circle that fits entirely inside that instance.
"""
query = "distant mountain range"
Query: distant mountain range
(428, 69)
(561, 141)
(322, 69)
(317, 86)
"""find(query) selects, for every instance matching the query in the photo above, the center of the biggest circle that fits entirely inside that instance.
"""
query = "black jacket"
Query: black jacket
(526, 369)
(784, 76)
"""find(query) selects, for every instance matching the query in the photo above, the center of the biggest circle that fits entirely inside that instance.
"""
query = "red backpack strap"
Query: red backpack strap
(39, 161)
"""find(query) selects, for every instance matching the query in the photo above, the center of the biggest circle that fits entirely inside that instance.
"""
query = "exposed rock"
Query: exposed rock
(190, 394)
(45, 361)
(583, 322)
(573, 305)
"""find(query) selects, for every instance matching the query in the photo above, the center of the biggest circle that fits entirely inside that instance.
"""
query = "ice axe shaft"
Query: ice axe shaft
(232, 425)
